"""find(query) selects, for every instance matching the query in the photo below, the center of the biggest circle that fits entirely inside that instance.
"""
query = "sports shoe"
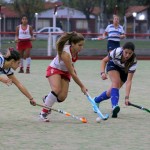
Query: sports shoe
(115, 111)
(21, 70)
(97, 104)
(27, 70)
(44, 98)
(43, 117)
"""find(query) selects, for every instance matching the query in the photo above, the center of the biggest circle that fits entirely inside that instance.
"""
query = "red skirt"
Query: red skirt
(24, 44)
(51, 71)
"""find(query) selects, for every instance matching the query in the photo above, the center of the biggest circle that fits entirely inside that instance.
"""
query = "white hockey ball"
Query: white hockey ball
(98, 119)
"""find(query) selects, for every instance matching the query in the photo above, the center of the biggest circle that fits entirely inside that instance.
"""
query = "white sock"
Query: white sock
(28, 61)
(21, 63)
(50, 100)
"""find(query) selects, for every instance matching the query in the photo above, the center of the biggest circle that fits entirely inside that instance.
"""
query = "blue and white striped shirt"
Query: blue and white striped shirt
(116, 56)
(114, 33)
(8, 71)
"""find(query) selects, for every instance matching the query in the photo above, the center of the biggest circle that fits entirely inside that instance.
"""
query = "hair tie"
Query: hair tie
(11, 49)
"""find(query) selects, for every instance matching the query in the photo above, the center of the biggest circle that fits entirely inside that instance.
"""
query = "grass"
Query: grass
(42, 44)
(140, 44)
(20, 128)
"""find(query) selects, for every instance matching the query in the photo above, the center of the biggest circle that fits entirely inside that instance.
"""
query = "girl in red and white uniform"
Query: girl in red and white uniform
(24, 35)
(61, 69)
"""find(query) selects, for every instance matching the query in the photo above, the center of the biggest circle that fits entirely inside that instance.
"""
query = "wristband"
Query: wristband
(126, 97)
(102, 73)
(31, 99)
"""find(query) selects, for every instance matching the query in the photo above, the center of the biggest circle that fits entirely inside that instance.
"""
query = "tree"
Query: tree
(86, 6)
(2, 1)
(28, 7)
(116, 7)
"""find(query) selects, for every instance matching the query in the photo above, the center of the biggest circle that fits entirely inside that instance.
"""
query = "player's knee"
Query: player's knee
(57, 90)
(108, 92)
(61, 98)
(116, 84)
(61, 95)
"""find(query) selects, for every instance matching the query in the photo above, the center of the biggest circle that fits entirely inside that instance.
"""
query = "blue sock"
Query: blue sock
(114, 96)
(101, 97)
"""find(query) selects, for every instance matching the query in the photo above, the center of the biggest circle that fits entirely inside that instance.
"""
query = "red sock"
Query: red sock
(45, 110)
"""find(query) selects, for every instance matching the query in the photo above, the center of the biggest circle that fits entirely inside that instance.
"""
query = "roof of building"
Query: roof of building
(136, 9)
(9, 12)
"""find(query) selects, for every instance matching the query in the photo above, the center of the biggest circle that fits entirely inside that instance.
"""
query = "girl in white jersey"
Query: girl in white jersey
(61, 69)
(8, 64)
(121, 65)
(24, 35)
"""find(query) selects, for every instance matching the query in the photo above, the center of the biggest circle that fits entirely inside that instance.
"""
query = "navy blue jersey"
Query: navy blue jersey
(115, 57)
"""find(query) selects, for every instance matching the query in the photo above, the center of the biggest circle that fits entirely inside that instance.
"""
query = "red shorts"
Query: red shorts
(51, 71)
(24, 44)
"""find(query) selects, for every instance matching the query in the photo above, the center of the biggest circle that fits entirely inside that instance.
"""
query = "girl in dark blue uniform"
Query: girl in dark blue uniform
(120, 64)
(8, 64)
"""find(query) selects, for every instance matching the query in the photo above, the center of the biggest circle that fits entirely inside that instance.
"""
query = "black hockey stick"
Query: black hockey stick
(139, 107)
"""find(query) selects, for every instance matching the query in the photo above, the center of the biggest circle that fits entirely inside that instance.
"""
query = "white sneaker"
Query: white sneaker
(43, 117)
(44, 98)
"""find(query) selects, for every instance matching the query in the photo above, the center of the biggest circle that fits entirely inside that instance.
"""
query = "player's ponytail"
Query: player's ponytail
(68, 38)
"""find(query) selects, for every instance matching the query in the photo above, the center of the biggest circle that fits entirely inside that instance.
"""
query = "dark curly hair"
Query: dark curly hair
(12, 54)
(132, 59)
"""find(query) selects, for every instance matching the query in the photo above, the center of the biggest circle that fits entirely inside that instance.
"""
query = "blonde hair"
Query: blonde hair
(68, 37)
(116, 16)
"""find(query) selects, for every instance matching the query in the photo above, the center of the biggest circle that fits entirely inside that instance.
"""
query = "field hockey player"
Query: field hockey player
(120, 65)
(61, 69)
(8, 63)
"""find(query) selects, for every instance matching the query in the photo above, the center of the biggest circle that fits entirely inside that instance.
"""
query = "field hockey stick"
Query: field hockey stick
(98, 39)
(8, 42)
(11, 42)
(139, 107)
(22, 40)
(102, 38)
(82, 119)
(96, 108)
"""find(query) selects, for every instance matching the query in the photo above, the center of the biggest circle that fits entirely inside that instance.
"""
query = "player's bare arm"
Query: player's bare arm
(103, 65)
(17, 34)
(67, 60)
(128, 87)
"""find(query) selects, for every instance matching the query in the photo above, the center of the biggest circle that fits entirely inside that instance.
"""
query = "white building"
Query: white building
(69, 18)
